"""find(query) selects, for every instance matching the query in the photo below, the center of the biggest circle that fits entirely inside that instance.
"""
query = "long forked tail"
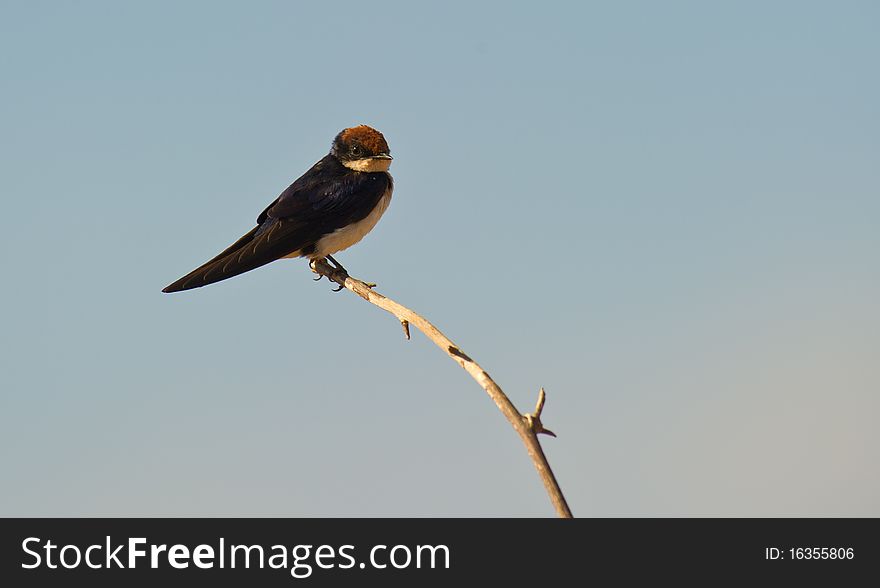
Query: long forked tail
(256, 248)
(263, 244)
(219, 268)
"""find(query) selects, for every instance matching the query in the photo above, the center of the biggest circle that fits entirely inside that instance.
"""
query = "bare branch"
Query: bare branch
(527, 426)
(534, 420)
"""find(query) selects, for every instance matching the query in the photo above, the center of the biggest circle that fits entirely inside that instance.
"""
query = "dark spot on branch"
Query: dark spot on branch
(452, 349)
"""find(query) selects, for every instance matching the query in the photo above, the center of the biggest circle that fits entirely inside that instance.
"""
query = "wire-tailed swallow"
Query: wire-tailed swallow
(329, 208)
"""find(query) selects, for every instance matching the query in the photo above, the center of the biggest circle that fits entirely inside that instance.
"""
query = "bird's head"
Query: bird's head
(363, 149)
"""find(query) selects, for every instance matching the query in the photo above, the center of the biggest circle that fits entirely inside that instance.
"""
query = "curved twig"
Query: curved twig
(527, 426)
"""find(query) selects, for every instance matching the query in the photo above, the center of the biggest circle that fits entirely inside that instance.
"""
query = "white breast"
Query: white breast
(347, 236)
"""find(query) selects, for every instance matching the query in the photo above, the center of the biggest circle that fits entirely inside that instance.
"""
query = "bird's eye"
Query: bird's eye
(356, 150)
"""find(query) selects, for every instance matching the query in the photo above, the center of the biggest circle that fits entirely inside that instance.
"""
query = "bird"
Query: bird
(329, 208)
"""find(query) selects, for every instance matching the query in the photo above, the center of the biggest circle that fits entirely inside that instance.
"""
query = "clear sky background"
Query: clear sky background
(666, 214)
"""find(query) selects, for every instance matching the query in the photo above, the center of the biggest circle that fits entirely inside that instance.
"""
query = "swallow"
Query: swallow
(329, 208)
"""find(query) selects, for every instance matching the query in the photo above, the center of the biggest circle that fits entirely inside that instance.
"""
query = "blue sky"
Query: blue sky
(665, 214)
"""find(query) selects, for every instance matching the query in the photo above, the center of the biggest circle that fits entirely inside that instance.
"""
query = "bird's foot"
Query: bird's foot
(338, 267)
(334, 265)
(312, 266)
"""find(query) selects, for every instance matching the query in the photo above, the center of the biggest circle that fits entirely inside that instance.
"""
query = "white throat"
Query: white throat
(368, 165)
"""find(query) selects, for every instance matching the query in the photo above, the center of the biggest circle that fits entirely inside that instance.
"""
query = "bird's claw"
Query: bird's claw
(337, 269)
(313, 265)
(336, 264)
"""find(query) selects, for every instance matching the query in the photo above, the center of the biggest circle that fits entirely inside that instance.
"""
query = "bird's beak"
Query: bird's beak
(383, 156)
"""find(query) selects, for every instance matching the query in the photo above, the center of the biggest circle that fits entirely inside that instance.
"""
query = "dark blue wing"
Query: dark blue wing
(327, 197)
